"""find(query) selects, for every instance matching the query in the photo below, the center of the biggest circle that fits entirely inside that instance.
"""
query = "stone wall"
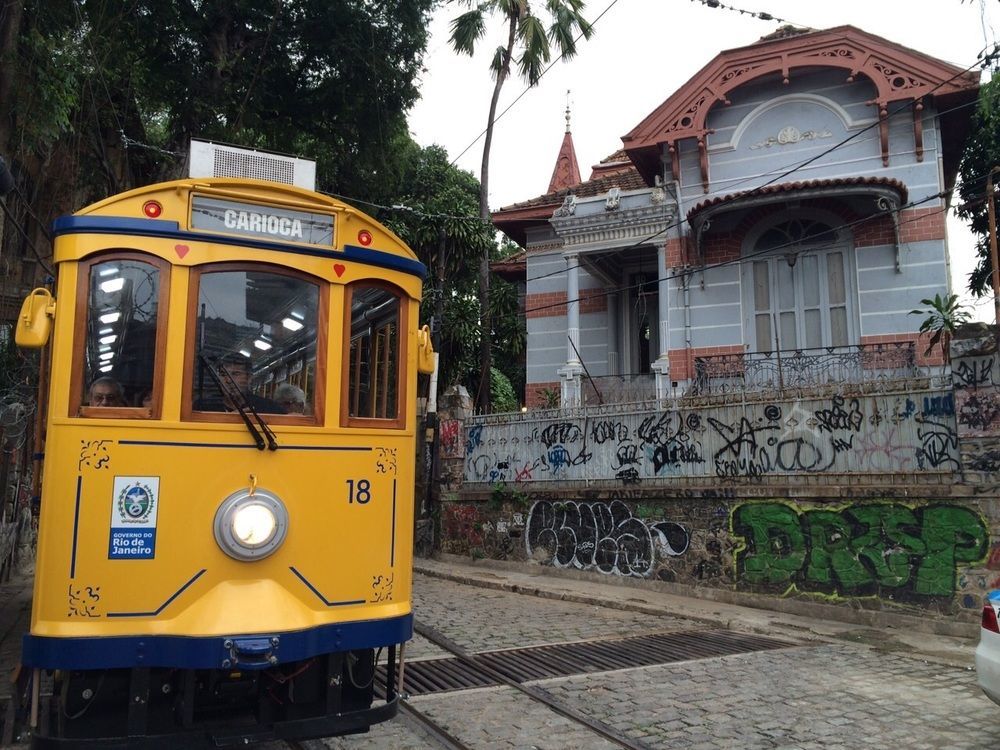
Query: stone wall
(904, 523)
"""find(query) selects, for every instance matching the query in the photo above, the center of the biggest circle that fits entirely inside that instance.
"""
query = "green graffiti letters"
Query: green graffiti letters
(885, 549)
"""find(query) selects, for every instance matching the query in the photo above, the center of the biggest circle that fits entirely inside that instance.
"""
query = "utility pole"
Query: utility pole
(995, 275)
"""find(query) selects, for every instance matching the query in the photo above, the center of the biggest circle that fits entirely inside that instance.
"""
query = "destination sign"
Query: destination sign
(261, 222)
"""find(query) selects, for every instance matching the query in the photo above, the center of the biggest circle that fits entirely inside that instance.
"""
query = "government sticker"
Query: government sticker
(133, 518)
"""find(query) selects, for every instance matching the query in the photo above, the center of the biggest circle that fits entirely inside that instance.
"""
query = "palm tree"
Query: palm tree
(529, 46)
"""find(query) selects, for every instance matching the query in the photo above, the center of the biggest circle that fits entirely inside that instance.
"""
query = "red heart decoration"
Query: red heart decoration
(182, 250)
(339, 269)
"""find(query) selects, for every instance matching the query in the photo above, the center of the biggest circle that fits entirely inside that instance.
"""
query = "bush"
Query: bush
(504, 398)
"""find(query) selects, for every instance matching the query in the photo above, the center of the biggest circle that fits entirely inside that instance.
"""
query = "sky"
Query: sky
(641, 52)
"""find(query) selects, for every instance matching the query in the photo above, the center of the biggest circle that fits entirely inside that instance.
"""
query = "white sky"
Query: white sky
(641, 52)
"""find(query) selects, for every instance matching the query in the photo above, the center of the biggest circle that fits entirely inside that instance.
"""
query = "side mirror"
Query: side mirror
(34, 323)
(425, 351)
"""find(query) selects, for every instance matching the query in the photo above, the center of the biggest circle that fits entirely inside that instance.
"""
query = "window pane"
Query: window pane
(810, 280)
(257, 329)
(814, 329)
(838, 326)
(120, 346)
(763, 325)
(761, 286)
(786, 287)
(835, 272)
(374, 354)
(787, 328)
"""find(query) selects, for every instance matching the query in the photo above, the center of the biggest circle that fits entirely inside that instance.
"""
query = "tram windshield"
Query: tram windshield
(258, 328)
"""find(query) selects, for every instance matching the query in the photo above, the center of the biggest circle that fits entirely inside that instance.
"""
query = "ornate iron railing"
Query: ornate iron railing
(871, 366)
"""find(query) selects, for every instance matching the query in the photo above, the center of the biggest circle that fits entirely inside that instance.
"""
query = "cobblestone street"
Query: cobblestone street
(814, 694)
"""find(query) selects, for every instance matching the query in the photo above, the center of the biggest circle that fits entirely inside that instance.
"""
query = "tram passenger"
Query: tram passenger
(239, 370)
(291, 398)
(106, 391)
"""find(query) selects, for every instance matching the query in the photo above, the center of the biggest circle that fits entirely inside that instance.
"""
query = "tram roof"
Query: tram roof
(174, 195)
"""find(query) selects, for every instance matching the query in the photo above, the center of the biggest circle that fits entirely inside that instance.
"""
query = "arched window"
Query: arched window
(121, 339)
(374, 355)
(798, 287)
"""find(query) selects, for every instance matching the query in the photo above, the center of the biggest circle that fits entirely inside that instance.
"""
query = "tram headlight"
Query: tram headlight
(251, 526)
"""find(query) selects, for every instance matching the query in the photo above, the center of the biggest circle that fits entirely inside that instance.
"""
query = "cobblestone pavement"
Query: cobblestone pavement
(815, 695)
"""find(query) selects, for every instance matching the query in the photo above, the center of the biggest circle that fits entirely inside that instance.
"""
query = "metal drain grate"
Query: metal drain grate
(563, 660)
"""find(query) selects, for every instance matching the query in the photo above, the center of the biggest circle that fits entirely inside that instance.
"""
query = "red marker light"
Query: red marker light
(152, 209)
(365, 238)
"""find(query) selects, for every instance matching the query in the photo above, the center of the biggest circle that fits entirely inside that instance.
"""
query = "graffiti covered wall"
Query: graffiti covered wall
(911, 433)
(928, 555)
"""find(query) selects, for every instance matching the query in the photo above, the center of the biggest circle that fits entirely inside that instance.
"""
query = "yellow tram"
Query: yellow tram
(225, 537)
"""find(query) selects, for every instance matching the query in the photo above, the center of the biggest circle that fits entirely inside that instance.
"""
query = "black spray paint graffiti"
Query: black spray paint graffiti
(979, 411)
(600, 535)
(973, 372)
(843, 434)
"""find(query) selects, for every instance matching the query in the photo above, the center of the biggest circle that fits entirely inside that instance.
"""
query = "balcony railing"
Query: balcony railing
(869, 366)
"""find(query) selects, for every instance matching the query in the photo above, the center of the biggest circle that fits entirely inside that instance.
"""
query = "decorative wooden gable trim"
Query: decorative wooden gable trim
(898, 73)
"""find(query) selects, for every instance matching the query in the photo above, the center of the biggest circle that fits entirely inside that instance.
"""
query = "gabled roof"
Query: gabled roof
(614, 171)
(896, 72)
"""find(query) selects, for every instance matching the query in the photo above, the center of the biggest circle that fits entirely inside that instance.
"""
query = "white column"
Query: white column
(573, 308)
(570, 374)
(614, 336)
(661, 367)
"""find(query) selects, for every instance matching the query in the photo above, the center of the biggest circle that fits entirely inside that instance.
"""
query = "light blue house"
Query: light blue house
(772, 223)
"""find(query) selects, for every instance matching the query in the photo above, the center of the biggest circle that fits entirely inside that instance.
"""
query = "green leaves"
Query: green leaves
(942, 317)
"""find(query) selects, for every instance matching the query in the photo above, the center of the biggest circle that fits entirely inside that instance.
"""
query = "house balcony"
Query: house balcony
(862, 368)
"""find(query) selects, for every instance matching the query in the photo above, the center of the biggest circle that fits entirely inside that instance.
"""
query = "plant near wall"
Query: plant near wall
(942, 317)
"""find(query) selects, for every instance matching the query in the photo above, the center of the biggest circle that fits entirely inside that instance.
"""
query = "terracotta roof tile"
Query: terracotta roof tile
(802, 185)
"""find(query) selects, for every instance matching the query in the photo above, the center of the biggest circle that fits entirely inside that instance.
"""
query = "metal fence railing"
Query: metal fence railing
(870, 367)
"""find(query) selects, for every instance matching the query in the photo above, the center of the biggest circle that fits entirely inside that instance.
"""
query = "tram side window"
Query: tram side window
(257, 330)
(119, 349)
(374, 358)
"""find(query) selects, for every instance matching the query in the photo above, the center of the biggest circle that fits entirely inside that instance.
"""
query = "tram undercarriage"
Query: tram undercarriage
(142, 707)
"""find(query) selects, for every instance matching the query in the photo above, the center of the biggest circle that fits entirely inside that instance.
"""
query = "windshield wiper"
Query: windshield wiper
(231, 391)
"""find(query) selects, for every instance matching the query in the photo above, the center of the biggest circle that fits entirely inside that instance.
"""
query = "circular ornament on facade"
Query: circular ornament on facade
(789, 134)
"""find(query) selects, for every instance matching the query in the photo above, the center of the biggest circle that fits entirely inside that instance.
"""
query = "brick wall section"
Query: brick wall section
(682, 360)
(675, 252)
(722, 247)
(553, 304)
(936, 355)
(873, 232)
(915, 225)
(919, 224)
(534, 394)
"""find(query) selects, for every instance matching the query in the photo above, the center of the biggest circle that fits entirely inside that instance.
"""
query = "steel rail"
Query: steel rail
(534, 693)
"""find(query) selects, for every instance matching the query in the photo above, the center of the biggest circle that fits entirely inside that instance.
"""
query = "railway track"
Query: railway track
(514, 668)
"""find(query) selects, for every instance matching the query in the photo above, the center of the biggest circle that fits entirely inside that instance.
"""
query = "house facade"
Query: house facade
(772, 223)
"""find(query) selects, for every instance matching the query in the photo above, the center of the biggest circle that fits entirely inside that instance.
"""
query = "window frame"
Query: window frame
(84, 270)
(313, 419)
(399, 421)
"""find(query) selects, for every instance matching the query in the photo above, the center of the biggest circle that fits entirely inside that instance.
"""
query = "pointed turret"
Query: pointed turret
(567, 171)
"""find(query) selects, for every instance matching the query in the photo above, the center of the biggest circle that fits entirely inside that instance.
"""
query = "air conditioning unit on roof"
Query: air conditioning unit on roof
(217, 160)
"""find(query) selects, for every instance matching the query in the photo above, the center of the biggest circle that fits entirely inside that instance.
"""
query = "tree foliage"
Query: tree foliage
(528, 47)
(981, 154)
(440, 224)
(107, 94)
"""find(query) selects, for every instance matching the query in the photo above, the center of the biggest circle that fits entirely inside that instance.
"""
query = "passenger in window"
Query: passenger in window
(147, 398)
(291, 398)
(106, 391)
(238, 369)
